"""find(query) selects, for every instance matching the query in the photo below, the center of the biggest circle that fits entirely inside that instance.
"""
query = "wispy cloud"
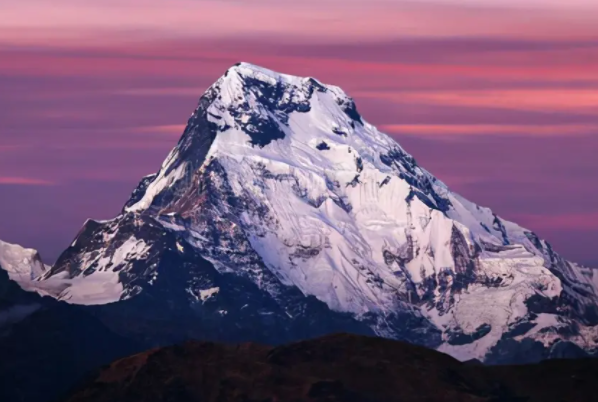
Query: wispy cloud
(8, 148)
(193, 91)
(362, 20)
(587, 221)
(532, 99)
(25, 181)
(174, 129)
(565, 130)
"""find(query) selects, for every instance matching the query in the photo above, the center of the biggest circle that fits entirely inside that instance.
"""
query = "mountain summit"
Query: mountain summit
(282, 214)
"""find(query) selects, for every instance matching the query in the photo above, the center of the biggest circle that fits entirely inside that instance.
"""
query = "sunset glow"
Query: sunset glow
(94, 94)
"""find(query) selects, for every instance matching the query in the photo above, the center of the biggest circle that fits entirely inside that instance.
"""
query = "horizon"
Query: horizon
(501, 109)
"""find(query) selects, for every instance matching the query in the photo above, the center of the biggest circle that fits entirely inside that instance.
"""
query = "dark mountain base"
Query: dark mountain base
(47, 346)
(332, 368)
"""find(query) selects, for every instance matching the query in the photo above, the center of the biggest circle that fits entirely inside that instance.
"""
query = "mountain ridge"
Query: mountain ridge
(338, 367)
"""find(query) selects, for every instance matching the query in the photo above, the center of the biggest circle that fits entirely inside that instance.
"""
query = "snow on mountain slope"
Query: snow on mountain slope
(20, 263)
(278, 179)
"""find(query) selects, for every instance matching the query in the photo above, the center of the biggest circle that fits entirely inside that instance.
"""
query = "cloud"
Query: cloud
(7, 148)
(579, 100)
(193, 91)
(174, 129)
(25, 181)
(39, 21)
(587, 221)
(449, 130)
(17, 313)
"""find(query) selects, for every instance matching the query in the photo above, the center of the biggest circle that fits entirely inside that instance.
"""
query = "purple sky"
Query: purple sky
(499, 101)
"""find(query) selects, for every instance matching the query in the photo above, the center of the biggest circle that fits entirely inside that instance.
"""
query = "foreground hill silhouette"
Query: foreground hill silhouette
(333, 368)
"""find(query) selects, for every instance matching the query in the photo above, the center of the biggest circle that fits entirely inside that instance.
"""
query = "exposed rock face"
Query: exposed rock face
(282, 214)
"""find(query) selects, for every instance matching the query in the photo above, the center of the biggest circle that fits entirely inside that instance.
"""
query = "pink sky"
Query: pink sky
(322, 20)
(500, 101)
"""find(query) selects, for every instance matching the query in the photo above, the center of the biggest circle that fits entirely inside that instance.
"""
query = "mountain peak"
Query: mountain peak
(246, 86)
(244, 69)
(252, 71)
(257, 114)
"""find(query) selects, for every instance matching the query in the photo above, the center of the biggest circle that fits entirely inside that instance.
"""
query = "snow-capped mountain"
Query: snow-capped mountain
(281, 205)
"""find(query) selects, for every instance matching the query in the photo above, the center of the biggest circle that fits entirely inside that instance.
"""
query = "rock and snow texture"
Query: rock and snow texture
(20, 263)
(279, 180)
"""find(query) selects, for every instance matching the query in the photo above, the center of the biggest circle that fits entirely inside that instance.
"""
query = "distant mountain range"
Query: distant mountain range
(280, 215)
